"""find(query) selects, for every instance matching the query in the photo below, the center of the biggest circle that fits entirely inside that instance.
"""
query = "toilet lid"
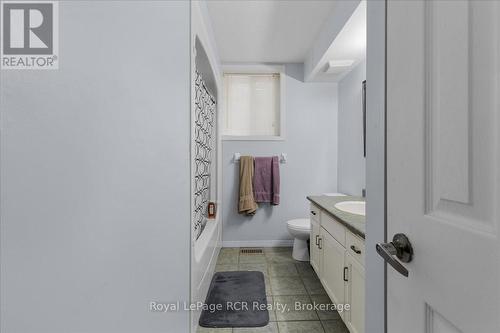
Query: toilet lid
(300, 224)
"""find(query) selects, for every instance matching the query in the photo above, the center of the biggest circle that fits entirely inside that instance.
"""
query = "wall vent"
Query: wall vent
(251, 251)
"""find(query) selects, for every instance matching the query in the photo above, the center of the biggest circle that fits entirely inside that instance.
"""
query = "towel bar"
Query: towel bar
(282, 156)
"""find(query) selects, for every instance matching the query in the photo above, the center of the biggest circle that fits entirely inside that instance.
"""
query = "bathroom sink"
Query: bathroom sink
(353, 207)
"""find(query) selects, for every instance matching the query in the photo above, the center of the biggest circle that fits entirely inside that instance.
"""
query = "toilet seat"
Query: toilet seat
(300, 224)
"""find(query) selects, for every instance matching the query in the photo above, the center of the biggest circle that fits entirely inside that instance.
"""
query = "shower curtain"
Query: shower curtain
(205, 139)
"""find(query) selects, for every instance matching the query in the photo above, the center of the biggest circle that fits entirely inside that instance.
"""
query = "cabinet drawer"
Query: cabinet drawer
(335, 228)
(314, 213)
(356, 247)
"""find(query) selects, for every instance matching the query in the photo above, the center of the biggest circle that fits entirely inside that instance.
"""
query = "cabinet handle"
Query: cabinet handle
(317, 241)
(313, 212)
(355, 249)
(345, 271)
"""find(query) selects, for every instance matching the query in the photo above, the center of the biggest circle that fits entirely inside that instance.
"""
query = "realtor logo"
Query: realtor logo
(29, 35)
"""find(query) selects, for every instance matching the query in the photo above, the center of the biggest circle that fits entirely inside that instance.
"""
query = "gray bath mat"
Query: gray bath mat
(236, 299)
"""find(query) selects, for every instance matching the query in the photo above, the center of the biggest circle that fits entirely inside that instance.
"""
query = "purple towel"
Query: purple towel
(266, 180)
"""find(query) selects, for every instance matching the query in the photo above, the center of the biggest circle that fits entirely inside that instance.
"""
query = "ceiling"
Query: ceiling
(267, 31)
(349, 45)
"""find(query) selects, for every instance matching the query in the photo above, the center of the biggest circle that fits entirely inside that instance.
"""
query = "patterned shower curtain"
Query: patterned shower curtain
(204, 136)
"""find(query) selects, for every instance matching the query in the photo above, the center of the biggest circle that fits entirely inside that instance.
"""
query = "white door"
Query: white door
(443, 164)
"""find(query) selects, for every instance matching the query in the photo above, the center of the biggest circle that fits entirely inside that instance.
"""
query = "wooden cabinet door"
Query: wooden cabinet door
(355, 295)
(313, 247)
(332, 274)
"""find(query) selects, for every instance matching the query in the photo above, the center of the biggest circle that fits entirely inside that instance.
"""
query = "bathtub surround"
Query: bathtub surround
(311, 146)
(204, 250)
(351, 167)
(95, 174)
(205, 141)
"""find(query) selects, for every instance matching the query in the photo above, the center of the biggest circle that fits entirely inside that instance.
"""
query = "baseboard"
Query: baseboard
(259, 243)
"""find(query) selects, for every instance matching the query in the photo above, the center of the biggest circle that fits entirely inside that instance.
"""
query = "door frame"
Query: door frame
(376, 173)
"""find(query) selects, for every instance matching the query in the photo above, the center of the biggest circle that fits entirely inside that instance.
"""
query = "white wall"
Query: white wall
(95, 174)
(311, 145)
(351, 167)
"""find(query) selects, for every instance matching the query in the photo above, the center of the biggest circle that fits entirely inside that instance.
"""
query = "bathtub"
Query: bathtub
(204, 254)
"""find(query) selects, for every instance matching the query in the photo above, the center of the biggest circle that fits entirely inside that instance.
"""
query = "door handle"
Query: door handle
(345, 274)
(355, 249)
(317, 241)
(399, 247)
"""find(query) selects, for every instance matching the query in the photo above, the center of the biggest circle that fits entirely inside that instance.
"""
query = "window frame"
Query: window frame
(258, 69)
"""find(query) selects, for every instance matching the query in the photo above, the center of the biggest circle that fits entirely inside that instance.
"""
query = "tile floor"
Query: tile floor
(287, 281)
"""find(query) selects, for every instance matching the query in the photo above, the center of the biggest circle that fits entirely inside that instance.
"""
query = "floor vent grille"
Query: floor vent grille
(251, 251)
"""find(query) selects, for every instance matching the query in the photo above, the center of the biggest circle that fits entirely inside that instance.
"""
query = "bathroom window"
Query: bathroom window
(253, 106)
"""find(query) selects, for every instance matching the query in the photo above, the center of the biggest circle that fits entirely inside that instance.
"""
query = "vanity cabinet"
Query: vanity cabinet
(314, 252)
(332, 272)
(355, 293)
(337, 256)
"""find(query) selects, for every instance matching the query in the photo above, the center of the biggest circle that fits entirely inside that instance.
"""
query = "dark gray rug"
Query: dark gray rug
(236, 299)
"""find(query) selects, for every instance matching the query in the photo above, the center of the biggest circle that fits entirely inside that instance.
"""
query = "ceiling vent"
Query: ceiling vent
(338, 66)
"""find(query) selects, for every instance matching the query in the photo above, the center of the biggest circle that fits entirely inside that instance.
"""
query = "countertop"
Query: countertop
(355, 223)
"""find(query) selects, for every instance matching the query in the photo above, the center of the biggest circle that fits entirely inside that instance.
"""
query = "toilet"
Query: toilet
(300, 230)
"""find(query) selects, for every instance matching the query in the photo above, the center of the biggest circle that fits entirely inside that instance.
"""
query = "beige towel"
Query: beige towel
(247, 203)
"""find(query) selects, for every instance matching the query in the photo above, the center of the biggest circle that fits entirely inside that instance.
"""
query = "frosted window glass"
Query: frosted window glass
(252, 104)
